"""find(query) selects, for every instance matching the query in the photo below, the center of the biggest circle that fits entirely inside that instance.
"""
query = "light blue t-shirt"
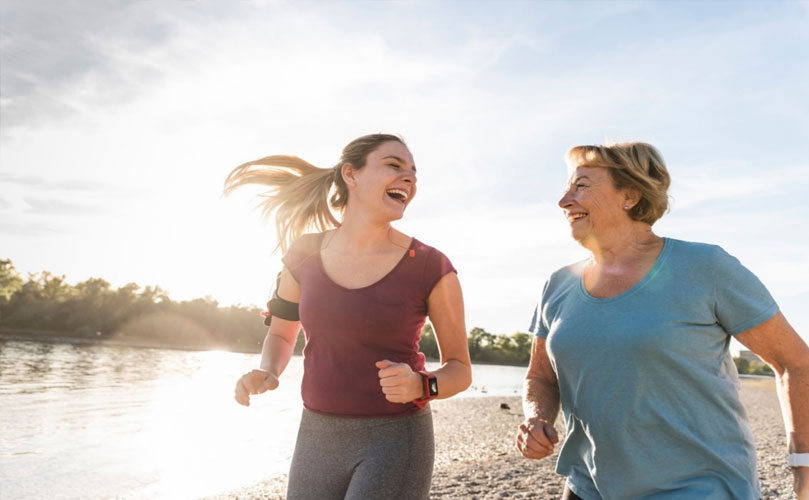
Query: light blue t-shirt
(648, 389)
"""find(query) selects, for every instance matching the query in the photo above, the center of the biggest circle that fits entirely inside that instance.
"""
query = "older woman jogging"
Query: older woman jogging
(633, 343)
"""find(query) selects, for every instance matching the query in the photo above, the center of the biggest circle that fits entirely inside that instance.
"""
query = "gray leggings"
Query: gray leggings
(362, 458)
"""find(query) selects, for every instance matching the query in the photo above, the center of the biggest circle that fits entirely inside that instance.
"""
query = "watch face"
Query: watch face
(433, 387)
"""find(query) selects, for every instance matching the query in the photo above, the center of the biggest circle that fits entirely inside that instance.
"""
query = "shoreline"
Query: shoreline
(475, 458)
(55, 338)
(48, 337)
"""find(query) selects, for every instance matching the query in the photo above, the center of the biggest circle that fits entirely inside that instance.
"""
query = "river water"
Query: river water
(102, 422)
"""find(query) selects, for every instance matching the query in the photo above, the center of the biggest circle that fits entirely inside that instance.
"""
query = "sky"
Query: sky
(120, 120)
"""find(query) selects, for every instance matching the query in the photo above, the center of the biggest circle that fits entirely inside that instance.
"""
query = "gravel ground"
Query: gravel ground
(476, 458)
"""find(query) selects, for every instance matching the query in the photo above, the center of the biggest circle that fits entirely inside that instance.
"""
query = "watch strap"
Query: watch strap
(430, 389)
(798, 460)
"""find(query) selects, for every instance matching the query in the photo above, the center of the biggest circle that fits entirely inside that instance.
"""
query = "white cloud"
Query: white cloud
(699, 184)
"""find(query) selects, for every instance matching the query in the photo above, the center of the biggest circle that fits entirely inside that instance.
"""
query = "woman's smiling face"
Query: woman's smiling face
(592, 204)
(387, 182)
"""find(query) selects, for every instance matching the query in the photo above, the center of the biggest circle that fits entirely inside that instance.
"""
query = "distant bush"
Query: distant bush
(751, 367)
(93, 309)
(485, 347)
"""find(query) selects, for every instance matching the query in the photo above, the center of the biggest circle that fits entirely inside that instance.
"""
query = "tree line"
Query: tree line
(45, 306)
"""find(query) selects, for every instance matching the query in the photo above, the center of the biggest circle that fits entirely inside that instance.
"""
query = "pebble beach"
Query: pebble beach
(476, 457)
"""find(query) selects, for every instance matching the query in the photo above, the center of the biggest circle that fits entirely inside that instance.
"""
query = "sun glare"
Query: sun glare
(198, 440)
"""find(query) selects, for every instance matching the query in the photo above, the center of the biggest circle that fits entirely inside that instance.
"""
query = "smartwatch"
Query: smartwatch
(430, 389)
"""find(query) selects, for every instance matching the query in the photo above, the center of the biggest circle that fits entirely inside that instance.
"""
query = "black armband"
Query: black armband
(279, 307)
(283, 309)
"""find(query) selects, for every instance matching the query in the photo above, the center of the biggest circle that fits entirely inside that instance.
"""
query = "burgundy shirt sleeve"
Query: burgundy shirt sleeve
(435, 268)
(292, 261)
(300, 251)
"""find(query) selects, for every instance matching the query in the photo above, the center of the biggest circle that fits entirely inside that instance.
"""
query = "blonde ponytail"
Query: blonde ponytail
(298, 193)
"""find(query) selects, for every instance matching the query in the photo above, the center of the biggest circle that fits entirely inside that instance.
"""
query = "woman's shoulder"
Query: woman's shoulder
(572, 270)
(419, 245)
(695, 249)
(700, 260)
(564, 278)
(308, 243)
(428, 252)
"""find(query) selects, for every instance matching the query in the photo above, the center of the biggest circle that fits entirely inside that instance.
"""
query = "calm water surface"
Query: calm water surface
(100, 422)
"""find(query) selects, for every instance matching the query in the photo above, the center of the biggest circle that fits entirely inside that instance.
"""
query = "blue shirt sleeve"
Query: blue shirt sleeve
(539, 326)
(741, 299)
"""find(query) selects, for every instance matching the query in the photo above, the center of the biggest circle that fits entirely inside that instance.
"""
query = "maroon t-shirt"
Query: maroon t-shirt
(349, 330)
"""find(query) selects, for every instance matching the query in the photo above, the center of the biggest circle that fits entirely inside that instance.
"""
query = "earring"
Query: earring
(626, 207)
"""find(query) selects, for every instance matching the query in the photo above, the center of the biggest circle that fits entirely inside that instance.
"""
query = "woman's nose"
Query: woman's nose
(565, 199)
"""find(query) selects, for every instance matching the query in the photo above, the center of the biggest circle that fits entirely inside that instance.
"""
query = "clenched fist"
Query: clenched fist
(254, 382)
(399, 382)
(536, 438)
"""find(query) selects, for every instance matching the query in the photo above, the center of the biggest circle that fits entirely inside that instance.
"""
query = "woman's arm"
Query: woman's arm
(541, 389)
(777, 343)
(280, 340)
(276, 350)
(536, 436)
(445, 305)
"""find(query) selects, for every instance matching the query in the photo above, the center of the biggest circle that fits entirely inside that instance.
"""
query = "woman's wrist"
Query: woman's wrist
(269, 369)
(798, 442)
(418, 389)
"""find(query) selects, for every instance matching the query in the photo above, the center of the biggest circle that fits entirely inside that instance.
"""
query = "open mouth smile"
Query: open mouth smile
(399, 195)
(575, 217)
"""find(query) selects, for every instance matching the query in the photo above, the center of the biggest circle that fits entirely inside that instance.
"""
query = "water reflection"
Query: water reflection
(96, 421)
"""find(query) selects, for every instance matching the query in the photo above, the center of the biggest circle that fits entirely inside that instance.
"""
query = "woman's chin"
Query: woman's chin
(395, 213)
(578, 236)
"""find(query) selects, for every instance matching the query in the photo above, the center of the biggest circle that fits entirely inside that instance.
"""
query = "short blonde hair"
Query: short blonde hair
(636, 166)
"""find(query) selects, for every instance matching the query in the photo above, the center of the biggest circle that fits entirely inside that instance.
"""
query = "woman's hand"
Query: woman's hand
(800, 476)
(399, 382)
(536, 438)
(254, 382)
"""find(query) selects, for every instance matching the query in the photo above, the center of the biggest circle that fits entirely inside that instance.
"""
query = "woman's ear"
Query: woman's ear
(348, 172)
(631, 198)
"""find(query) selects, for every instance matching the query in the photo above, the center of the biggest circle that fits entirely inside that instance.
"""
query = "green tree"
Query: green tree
(428, 343)
(752, 367)
(479, 342)
(10, 282)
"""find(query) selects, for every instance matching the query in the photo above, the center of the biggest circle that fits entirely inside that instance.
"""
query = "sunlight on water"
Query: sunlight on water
(89, 422)
(199, 436)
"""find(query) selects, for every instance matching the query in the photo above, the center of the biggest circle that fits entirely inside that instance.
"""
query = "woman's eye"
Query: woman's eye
(393, 165)
(580, 186)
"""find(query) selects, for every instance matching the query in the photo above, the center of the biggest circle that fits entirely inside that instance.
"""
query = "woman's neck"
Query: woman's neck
(625, 246)
(358, 237)
(361, 235)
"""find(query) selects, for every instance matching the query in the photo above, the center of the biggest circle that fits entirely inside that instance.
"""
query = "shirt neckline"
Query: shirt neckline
(583, 293)
(366, 287)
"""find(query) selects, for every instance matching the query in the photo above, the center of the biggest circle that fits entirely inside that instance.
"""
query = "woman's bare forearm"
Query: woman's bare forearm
(276, 352)
(541, 387)
(793, 393)
(454, 376)
(540, 399)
